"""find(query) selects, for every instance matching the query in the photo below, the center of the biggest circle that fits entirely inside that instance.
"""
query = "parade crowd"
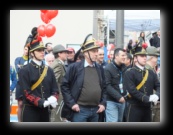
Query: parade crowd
(57, 84)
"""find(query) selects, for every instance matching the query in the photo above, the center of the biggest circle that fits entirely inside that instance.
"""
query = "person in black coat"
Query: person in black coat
(156, 41)
(83, 87)
(139, 83)
(114, 73)
(39, 94)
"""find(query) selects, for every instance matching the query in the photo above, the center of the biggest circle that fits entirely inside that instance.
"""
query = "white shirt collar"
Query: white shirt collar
(37, 62)
(86, 64)
(141, 67)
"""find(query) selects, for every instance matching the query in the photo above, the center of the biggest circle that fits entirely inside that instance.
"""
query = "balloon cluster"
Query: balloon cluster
(46, 17)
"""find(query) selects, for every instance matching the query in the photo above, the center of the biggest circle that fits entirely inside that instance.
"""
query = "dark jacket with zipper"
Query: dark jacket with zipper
(113, 76)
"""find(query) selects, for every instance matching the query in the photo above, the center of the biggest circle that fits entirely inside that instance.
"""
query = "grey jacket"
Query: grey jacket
(59, 71)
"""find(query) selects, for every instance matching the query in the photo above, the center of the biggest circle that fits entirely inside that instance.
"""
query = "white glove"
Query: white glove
(54, 104)
(46, 103)
(153, 98)
(52, 99)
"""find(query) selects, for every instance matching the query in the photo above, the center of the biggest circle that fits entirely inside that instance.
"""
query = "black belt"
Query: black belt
(88, 106)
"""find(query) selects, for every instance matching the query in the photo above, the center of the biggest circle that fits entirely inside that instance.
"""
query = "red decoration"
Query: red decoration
(110, 47)
(43, 11)
(100, 43)
(144, 45)
(45, 18)
(39, 38)
(52, 14)
(50, 30)
(41, 30)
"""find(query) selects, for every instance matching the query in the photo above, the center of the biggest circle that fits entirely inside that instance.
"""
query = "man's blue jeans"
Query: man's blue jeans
(86, 114)
(114, 111)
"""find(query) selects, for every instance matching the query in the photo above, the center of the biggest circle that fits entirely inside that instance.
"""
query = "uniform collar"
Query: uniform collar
(37, 62)
(140, 67)
(36, 65)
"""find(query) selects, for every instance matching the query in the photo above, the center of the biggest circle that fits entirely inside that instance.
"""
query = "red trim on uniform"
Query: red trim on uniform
(32, 98)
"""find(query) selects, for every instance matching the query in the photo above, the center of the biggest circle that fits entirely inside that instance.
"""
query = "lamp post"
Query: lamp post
(119, 36)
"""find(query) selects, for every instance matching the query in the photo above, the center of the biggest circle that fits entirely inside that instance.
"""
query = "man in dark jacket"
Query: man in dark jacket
(115, 92)
(83, 87)
(156, 40)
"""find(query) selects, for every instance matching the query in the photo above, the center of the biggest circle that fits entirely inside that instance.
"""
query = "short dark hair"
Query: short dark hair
(129, 56)
(48, 44)
(117, 50)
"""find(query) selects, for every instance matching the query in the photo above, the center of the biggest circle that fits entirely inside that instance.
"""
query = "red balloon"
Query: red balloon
(44, 18)
(110, 47)
(50, 30)
(145, 45)
(52, 13)
(43, 11)
(100, 43)
(41, 30)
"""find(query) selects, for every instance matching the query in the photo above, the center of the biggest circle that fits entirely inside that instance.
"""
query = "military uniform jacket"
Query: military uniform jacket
(59, 71)
(29, 74)
(132, 78)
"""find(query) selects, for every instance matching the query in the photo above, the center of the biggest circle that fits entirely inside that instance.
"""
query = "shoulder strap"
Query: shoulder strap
(141, 83)
(40, 79)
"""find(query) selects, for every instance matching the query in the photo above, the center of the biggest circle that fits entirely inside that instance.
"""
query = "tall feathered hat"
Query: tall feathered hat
(35, 44)
(89, 43)
(138, 49)
(34, 41)
(31, 37)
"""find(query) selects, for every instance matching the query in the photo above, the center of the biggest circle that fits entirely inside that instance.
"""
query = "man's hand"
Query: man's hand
(76, 108)
(101, 108)
(122, 100)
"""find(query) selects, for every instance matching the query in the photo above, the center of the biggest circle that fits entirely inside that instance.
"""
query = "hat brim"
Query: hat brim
(62, 51)
(39, 47)
(156, 54)
(141, 53)
(94, 47)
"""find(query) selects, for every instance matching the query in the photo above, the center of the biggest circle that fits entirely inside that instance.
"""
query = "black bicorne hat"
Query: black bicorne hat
(37, 43)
